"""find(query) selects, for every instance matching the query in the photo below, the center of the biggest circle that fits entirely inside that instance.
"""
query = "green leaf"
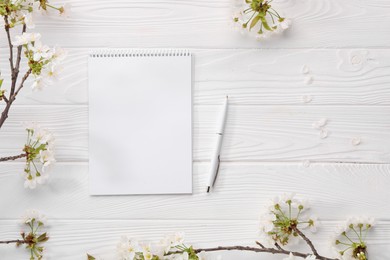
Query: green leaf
(254, 21)
(43, 238)
(90, 257)
(265, 23)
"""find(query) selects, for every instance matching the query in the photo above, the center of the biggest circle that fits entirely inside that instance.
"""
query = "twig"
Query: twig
(5, 99)
(11, 158)
(278, 246)
(259, 250)
(307, 240)
(14, 73)
(11, 52)
(21, 83)
(260, 244)
(16, 241)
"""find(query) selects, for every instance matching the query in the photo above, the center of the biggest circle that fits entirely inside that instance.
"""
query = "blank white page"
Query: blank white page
(140, 139)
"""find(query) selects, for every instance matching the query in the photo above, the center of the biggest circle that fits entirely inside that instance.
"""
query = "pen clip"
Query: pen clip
(217, 170)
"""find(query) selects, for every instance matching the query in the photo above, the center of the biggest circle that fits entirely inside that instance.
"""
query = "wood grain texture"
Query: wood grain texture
(269, 135)
(251, 77)
(71, 239)
(253, 133)
(207, 24)
(240, 193)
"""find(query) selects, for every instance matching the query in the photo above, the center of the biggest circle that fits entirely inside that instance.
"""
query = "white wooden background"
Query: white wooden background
(269, 136)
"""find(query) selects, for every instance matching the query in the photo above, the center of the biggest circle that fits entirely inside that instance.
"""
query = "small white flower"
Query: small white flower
(40, 82)
(126, 248)
(40, 51)
(288, 197)
(51, 72)
(313, 223)
(46, 157)
(29, 20)
(285, 24)
(65, 10)
(267, 222)
(26, 38)
(30, 182)
(59, 54)
(146, 252)
(33, 214)
(20, 40)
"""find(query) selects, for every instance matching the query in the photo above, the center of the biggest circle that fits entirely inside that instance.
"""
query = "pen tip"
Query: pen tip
(227, 96)
(208, 189)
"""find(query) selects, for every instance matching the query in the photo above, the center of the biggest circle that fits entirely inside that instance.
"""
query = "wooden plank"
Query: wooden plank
(71, 239)
(253, 133)
(251, 77)
(207, 24)
(241, 191)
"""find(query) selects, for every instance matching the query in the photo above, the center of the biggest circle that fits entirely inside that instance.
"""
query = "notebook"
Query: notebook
(140, 139)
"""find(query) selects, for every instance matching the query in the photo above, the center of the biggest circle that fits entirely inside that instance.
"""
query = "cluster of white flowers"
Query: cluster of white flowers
(39, 149)
(44, 62)
(281, 216)
(262, 24)
(349, 238)
(23, 11)
(170, 248)
(35, 237)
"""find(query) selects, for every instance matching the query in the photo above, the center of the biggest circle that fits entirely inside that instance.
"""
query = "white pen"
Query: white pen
(215, 159)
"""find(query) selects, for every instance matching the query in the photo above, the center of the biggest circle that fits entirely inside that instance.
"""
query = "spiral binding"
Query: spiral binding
(104, 53)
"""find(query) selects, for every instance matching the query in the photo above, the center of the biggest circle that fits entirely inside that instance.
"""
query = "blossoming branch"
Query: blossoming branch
(42, 61)
(34, 238)
(43, 65)
(283, 223)
(259, 18)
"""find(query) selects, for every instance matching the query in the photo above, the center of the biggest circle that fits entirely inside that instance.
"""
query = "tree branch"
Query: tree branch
(16, 241)
(14, 73)
(11, 158)
(259, 250)
(21, 83)
(307, 240)
(11, 51)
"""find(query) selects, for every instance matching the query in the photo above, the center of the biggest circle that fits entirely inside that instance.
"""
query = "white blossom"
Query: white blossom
(40, 82)
(29, 20)
(65, 10)
(26, 38)
(46, 158)
(40, 51)
(59, 54)
(285, 24)
(126, 248)
(30, 182)
(33, 214)
(267, 222)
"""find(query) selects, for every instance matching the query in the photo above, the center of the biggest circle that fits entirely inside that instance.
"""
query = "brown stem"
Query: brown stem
(22, 83)
(260, 250)
(11, 158)
(14, 72)
(307, 240)
(16, 241)
(11, 52)
(5, 99)
(260, 244)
